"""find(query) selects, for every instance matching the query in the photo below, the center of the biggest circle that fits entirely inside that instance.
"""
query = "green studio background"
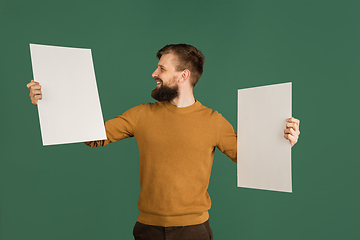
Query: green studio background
(74, 192)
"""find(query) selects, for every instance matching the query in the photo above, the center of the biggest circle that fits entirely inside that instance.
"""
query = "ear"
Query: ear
(185, 75)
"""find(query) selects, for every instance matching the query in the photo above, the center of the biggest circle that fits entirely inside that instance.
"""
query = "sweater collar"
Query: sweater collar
(187, 109)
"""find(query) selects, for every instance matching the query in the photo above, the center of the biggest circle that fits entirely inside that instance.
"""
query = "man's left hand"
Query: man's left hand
(292, 130)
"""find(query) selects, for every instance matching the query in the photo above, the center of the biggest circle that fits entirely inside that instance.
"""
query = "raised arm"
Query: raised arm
(120, 127)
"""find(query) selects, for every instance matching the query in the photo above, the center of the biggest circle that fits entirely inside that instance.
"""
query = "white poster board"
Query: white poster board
(264, 155)
(70, 108)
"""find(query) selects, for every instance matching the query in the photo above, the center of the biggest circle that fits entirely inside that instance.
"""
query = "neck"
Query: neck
(184, 99)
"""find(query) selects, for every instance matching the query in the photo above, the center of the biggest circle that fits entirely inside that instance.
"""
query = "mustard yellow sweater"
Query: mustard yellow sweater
(176, 150)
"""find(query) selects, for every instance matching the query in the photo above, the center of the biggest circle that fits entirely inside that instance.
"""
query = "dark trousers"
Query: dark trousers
(192, 232)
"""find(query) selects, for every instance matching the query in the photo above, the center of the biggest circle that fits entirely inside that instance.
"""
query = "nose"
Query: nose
(154, 74)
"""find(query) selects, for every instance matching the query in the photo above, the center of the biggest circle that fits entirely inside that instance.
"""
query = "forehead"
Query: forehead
(168, 60)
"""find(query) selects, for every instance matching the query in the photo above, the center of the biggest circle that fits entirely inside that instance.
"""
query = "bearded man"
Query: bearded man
(177, 137)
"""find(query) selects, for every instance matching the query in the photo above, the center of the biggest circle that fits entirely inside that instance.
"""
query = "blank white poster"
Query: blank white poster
(264, 155)
(70, 108)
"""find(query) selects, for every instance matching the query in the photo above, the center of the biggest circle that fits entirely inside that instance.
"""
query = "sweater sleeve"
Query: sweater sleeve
(121, 127)
(227, 141)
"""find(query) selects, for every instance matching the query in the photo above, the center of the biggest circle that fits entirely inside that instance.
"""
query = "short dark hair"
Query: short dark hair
(188, 58)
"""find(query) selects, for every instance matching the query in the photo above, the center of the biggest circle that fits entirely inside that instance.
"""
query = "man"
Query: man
(177, 137)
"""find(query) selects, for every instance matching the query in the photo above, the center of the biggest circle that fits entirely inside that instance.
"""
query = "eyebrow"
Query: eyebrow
(161, 66)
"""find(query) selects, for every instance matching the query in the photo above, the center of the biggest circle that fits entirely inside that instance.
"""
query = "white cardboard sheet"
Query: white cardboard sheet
(264, 155)
(70, 108)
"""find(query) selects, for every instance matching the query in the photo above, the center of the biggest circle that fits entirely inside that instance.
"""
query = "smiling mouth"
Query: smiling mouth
(158, 82)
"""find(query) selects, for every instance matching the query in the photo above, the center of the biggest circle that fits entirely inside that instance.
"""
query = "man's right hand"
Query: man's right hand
(35, 91)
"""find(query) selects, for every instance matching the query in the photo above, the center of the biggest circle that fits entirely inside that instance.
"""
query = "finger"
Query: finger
(291, 139)
(31, 84)
(291, 136)
(294, 126)
(34, 100)
(36, 86)
(27, 85)
(38, 97)
(289, 131)
(293, 120)
(35, 89)
(35, 92)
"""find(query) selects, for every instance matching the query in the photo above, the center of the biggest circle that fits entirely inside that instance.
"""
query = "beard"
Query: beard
(165, 93)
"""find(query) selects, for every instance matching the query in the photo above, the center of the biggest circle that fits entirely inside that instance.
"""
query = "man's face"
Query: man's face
(166, 78)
